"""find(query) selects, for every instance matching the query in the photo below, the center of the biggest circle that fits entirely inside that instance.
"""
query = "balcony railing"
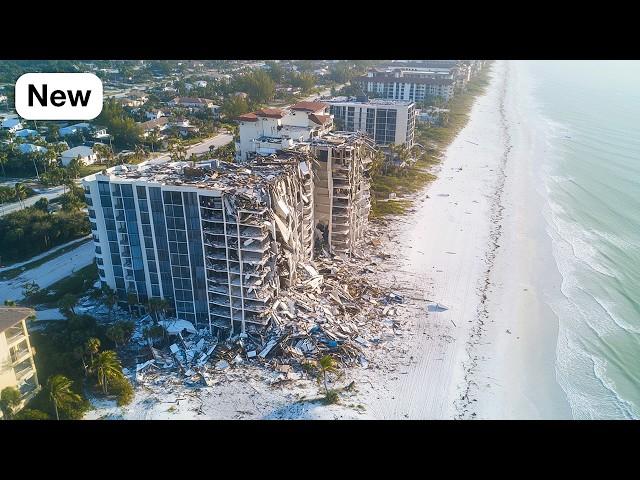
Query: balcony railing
(15, 334)
(23, 369)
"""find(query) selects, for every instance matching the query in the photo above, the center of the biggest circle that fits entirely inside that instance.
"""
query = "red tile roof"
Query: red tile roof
(320, 119)
(270, 112)
(309, 106)
(247, 117)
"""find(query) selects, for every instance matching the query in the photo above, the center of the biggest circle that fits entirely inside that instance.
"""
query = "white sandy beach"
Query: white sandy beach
(475, 243)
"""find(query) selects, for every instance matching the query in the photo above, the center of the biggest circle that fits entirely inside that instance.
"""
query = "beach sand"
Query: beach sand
(476, 245)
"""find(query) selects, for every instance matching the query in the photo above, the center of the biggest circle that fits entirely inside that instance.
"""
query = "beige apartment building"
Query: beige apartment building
(17, 367)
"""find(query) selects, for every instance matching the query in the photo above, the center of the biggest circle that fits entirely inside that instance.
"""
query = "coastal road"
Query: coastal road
(49, 272)
(48, 193)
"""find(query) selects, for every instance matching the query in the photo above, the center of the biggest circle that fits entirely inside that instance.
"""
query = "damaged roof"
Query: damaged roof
(210, 175)
(309, 106)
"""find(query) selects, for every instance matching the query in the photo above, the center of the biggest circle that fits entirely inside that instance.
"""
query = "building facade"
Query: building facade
(408, 84)
(17, 366)
(342, 199)
(385, 121)
(217, 241)
(271, 129)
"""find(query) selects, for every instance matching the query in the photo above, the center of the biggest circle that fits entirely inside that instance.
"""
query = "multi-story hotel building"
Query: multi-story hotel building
(411, 84)
(17, 367)
(216, 240)
(271, 129)
(385, 121)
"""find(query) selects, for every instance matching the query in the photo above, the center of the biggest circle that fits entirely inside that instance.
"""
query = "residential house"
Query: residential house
(73, 129)
(12, 124)
(192, 102)
(25, 148)
(154, 114)
(26, 133)
(17, 367)
(86, 155)
(160, 124)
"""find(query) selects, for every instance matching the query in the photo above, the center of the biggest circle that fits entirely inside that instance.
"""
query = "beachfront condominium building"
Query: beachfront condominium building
(17, 367)
(216, 240)
(385, 121)
(341, 164)
(271, 129)
(414, 84)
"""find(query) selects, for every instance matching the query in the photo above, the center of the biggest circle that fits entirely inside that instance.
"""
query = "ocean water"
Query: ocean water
(590, 178)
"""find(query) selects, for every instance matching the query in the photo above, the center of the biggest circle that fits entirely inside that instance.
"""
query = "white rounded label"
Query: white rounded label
(59, 96)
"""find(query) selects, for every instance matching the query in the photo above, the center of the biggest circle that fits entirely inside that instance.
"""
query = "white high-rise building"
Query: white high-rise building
(385, 121)
(216, 240)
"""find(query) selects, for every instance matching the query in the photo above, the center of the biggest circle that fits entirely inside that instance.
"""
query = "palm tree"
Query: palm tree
(110, 298)
(92, 346)
(157, 306)
(20, 192)
(107, 367)
(132, 299)
(327, 364)
(67, 303)
(60, 392)
(4, 158)
(154, 137)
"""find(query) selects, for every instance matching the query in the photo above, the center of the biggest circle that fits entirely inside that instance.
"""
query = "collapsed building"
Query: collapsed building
(216, 240)
(342, 199)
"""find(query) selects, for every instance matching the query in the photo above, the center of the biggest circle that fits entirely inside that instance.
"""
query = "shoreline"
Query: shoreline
(492, 353)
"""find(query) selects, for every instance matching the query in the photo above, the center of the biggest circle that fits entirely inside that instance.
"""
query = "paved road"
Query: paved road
(48, 193)
(217, 141)
(50, 272)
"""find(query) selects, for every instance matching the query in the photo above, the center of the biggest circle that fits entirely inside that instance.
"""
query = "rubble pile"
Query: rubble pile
(331, 310)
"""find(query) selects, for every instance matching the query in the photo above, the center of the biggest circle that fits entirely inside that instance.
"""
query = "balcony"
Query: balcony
(19, 354)
(23, 369)
(15, 334)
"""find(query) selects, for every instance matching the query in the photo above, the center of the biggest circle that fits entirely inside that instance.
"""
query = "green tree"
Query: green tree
(31, 414)
(20, 192)
(157, 306)
(327, 364)
(305, 81)
(177, 151)
(9, 400)
(67, 303)
(92, 347)
(259, 86)
(107, 367)
(110, 298)
(9, 303)
(234, 106)
(116, 334)
(74, 167)
(4, 158)
(42, 204)
(60, 392)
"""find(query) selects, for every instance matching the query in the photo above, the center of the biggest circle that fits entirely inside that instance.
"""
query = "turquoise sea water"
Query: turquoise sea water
(591, 177)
